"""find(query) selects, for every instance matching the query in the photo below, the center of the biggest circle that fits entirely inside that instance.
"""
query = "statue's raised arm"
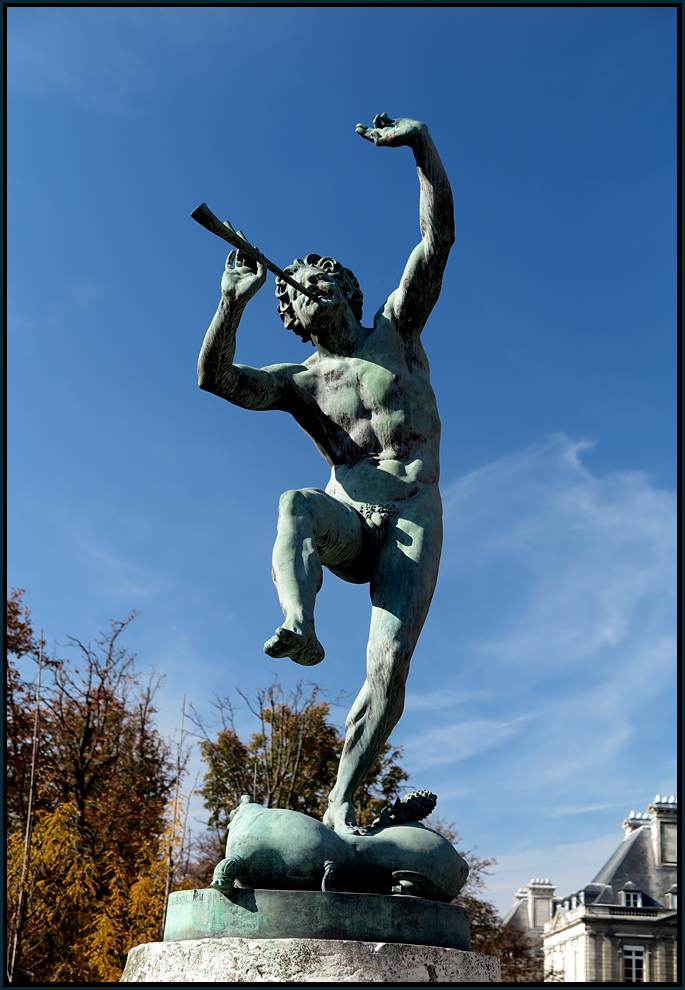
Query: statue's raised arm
(411, 303)
(252, 388)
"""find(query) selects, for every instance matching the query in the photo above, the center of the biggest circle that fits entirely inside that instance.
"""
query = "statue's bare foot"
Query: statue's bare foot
(301, 648)
(341, 819)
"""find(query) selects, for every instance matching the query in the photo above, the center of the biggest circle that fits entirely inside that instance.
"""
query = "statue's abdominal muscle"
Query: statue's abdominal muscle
(386, 418)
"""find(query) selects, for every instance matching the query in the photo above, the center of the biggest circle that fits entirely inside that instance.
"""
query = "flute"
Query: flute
(209, 221)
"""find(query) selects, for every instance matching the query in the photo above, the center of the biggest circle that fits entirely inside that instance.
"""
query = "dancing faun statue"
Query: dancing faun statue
(365, 399)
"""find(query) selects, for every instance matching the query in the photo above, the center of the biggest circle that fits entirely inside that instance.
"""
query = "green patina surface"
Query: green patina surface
(276, 914)
(364, 397)
(286, 850)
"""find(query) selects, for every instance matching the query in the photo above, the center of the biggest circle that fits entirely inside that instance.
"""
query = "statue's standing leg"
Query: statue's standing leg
(402, 586)
(313, 529)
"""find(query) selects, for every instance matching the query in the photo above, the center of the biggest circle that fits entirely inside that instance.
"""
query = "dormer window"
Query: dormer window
(630, 896)
(672, 897)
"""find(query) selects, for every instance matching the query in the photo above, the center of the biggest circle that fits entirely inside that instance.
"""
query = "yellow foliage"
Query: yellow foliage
(97, 870)
(85, 914)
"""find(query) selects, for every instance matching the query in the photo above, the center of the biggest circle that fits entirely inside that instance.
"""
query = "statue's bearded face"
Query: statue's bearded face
(317, 314)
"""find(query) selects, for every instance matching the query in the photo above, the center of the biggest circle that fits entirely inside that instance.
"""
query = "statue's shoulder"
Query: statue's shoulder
(284, 370)
(384, 318)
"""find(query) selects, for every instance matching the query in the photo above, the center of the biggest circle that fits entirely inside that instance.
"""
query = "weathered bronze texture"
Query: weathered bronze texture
(288, 913)
(365, 399)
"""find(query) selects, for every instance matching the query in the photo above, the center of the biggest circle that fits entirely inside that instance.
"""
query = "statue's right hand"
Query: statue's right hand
(242, 277)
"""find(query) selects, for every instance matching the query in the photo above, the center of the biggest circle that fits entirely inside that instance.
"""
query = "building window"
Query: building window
(633, 964)
(633, 898)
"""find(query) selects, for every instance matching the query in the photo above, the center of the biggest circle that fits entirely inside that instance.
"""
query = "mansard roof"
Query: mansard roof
(633, 864)
(622, 858)
(517, 915)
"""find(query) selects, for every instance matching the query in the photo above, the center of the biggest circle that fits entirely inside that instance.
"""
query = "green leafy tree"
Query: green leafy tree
(290, 762)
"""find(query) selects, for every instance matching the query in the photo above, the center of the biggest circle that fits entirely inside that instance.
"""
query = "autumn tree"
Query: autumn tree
(95, 879)
(519, 955)
(21, 645)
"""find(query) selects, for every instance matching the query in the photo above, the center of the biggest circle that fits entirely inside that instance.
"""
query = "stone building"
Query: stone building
(621, 927)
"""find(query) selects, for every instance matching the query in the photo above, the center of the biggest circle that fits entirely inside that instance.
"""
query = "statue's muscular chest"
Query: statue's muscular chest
(358, 399)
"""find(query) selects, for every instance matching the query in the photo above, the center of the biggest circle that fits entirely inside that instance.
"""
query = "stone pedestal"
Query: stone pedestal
(304, 960)
(308, 936)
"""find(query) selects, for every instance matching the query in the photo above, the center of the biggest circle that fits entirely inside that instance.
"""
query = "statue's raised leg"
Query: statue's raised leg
(313, 529)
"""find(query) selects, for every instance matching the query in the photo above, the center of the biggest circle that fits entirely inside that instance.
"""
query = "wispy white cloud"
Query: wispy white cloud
(458, 741)
(79, 295)
(436, 700)
(580, 576)
(586, 808)
(84, 292)
(596, 555)
(118, 576)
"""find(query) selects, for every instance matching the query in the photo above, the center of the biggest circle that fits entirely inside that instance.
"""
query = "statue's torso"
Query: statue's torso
(374, 417)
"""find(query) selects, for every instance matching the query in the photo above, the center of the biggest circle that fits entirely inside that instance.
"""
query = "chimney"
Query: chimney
(663, 816)
(540, 903)
(634, 821)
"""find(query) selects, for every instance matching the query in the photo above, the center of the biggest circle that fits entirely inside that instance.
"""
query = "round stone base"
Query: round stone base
(334, 915)
(304, 960)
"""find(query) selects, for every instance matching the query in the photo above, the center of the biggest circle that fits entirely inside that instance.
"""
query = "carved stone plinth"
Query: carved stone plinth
(304, 960)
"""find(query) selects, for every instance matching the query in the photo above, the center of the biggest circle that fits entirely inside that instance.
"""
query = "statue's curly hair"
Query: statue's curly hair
(343, 276)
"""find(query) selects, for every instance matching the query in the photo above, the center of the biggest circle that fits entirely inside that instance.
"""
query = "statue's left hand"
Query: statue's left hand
(389, 133)
(243, 276)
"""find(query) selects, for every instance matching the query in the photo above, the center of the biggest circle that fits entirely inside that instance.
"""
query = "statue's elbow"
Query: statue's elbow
(203, 380)
(439, 244)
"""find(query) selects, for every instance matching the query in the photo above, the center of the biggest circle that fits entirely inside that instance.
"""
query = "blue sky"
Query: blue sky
(541, 698)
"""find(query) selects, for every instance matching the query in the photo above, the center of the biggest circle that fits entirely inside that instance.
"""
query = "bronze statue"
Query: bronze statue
(364, 397)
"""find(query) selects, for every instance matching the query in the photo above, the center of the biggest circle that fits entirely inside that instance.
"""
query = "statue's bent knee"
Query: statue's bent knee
(296, 502)
(292, 503)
